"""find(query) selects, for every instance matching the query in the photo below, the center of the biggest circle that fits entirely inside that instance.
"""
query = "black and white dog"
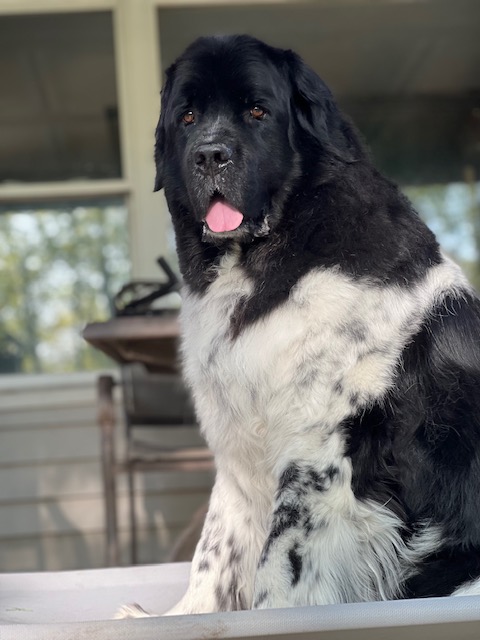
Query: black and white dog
(332, 350)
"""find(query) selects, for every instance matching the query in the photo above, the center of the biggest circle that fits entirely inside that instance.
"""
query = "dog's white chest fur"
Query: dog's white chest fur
(328, 350)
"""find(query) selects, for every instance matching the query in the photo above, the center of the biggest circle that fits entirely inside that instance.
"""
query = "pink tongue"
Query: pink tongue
(223, 217)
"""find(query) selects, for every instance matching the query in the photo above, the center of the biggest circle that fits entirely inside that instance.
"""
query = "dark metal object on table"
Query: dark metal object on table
(136, 297)
(145, 346)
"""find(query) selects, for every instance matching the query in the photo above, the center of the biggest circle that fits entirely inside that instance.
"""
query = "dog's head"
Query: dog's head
(240, 121)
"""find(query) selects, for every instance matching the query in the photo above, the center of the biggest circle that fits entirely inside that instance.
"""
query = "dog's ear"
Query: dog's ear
(158, 155)
(160, 130)
(317, 114)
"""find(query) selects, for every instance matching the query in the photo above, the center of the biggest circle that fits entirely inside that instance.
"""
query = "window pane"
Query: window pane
(58, 103)
(61, 266)
(452, 211)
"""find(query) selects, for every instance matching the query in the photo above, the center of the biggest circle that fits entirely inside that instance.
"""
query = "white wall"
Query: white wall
(51, 501)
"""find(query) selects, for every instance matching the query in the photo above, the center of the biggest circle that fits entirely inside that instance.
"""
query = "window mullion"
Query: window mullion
(138, 82)
(38, 191)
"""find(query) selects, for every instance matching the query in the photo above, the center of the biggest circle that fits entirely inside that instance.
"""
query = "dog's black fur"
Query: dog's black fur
(304, 169)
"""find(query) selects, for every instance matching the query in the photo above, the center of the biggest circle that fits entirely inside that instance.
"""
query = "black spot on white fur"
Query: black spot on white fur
(203, 565)
(300, 478)
(296, 564)
(285, 517)
(260, 599)
(292, 511)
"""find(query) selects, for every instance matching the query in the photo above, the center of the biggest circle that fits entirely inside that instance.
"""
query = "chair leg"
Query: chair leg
(106, 421)
(132, 515)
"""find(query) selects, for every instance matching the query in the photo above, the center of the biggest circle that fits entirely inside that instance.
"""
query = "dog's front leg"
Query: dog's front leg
(223, 567)
(324, 545)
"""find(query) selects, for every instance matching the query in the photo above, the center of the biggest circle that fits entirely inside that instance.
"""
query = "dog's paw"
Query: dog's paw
(132, 611)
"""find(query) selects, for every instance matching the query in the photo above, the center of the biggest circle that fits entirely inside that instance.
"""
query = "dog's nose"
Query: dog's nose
(212, 157)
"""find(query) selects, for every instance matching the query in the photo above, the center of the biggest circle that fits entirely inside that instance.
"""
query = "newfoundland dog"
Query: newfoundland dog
(332, 349)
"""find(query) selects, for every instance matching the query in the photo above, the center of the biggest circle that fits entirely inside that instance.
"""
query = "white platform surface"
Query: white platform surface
(79, 605)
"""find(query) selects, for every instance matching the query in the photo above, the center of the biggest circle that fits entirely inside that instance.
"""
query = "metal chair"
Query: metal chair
(150, 399)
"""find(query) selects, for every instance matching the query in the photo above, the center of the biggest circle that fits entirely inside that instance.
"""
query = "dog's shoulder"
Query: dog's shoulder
(452, 336)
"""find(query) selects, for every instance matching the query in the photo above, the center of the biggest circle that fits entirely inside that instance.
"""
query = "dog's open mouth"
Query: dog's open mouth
(221, 216)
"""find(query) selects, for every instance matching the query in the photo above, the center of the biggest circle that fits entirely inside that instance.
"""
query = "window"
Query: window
(62, 260)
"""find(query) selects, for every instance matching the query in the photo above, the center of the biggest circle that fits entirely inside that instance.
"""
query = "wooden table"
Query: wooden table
(151, 340)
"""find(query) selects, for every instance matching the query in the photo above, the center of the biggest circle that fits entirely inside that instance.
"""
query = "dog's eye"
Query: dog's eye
(188, 117)
(257, 112)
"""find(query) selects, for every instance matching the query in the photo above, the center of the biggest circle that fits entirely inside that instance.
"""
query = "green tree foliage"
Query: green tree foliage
(61, 266)
(452, 211)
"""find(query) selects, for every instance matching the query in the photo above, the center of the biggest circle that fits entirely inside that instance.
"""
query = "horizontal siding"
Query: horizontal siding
(31, 393)
(65, 443)
(19, 418)
(70, 442)
(63, 552)
(86, 514)
(44, 400)
(64, 480)
(51, 493)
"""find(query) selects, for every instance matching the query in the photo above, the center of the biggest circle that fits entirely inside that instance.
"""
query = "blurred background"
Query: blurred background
(79, 100)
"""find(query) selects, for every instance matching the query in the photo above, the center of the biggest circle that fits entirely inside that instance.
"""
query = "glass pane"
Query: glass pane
(408, 75)
(452, 211)
(61, 266)
(58, 105)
